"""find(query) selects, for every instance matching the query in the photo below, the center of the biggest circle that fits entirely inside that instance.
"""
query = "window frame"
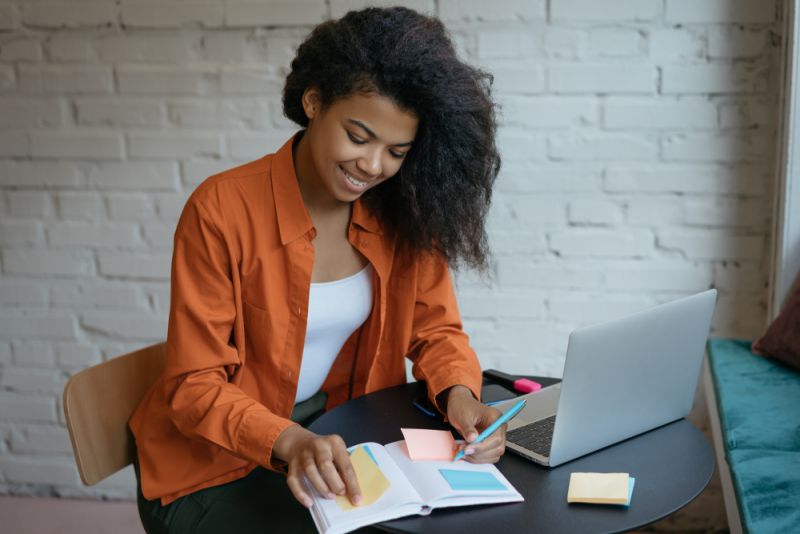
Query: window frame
(785, 260)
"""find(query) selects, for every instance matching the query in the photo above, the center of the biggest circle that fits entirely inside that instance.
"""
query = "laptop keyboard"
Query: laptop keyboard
(536, 437)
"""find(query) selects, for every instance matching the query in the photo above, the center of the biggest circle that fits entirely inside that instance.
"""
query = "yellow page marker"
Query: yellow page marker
(371, 480)
(598, 488)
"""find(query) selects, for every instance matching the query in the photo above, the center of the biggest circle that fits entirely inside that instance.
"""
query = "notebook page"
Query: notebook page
(432, 483)
(390, 504)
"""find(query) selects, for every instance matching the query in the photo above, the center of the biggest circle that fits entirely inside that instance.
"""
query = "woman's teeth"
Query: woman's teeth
(357, 183)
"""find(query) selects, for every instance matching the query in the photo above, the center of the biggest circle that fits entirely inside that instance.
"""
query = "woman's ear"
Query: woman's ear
(311, 102)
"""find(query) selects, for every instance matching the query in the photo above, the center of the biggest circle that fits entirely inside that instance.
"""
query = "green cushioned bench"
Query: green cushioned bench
(755, 417)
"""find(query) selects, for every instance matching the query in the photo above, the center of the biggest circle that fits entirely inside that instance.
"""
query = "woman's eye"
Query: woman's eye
(355, 139)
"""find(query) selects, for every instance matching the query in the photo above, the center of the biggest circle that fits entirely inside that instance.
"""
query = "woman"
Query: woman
(305, 278)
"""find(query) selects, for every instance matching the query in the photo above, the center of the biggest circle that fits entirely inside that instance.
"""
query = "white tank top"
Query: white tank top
(335, 310)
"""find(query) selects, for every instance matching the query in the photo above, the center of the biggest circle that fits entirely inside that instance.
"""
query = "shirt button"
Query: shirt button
(299, 311)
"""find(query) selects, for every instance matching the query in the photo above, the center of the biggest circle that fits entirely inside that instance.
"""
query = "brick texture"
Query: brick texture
(637, 139)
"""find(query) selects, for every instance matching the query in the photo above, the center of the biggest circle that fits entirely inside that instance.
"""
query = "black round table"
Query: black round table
(672, 465)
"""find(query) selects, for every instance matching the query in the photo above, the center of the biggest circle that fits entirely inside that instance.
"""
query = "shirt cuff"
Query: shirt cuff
(257, 436)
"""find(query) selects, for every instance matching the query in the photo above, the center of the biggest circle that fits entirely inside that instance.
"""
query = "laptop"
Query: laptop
(621, 378)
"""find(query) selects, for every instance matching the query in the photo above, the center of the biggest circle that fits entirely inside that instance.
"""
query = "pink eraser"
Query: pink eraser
(523, 385)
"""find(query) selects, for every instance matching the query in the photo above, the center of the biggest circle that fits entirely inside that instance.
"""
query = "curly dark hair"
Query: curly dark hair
(439, 198)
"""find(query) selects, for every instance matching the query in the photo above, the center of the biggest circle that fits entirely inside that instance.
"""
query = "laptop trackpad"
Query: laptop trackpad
(540, 405)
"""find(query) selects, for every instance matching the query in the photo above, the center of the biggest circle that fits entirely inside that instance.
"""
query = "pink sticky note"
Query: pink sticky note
(425, 444)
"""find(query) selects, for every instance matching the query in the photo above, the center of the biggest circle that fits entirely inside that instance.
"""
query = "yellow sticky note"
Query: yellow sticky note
(371, 480)
(424, 444)
(598, 488)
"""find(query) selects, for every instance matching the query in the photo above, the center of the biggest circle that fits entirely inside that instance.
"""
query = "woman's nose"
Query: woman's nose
(370, 164)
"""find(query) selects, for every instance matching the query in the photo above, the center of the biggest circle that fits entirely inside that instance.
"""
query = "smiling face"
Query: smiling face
(356, 143)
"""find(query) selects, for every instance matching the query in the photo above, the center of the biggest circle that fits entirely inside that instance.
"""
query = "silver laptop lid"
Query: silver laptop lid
(627, 376)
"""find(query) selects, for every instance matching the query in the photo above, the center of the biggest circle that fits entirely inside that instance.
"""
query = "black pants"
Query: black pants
(258, 503)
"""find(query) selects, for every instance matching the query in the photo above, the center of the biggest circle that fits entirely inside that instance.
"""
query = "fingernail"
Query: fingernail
(357, 499)
(329, 495)
(472, 436)
(307, 503)
(468, 451)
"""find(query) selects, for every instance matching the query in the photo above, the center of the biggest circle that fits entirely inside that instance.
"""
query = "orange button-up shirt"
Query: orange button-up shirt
(241, 274)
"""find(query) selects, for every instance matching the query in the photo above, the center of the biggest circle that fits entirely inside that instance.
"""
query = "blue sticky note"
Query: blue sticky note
(366, 449)
(369, 452)
(631, 482)
(471, 480)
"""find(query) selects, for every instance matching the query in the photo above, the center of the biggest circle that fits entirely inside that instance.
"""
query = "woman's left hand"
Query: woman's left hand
(469, 416)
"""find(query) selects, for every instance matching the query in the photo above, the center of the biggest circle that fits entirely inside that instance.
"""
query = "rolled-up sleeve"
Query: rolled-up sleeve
(204, 403)
(439, 347)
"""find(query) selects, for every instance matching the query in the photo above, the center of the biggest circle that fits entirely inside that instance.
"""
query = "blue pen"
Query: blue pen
(423, 409)
(506, 417)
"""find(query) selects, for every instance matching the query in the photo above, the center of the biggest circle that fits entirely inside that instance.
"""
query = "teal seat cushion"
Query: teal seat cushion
(759, 409)
(768, 489)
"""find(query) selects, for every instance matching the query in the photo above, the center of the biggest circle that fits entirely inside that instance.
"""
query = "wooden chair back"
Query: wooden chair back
(98, 402)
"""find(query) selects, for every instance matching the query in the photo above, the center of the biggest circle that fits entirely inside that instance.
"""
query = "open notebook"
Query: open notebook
(393, 486)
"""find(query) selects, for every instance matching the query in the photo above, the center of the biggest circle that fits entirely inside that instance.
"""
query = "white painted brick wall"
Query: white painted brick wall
(714, 78)
(584, 242)
(74, 205)
(69, 15)
(116, 112)
(22, 49)
(615, 11)
(70, 46)
(34, 353)
(23, 294)
(166, 80)
(725, 147)
(31, 204)
(637, 138)
(458, 11)
(719, 11)
(340, 7)
(14, 144)
(157, 48)
(171, 15)
(677, 44)
(85, 144)
(33, 112)
(43, 262)
(601, 78)
(252, 13)
(612, 42)
(9, 16)
(694, 113)
(594, 211)
(17, 408)
(134, 176)
(736, 42)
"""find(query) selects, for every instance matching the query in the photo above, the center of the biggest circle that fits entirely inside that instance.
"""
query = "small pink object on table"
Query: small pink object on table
(523, 385)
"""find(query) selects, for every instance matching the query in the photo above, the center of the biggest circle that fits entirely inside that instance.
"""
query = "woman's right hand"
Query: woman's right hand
(323, 460)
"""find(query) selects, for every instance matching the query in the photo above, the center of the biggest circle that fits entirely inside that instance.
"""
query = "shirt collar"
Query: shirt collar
(293, 218)
(363, 217)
